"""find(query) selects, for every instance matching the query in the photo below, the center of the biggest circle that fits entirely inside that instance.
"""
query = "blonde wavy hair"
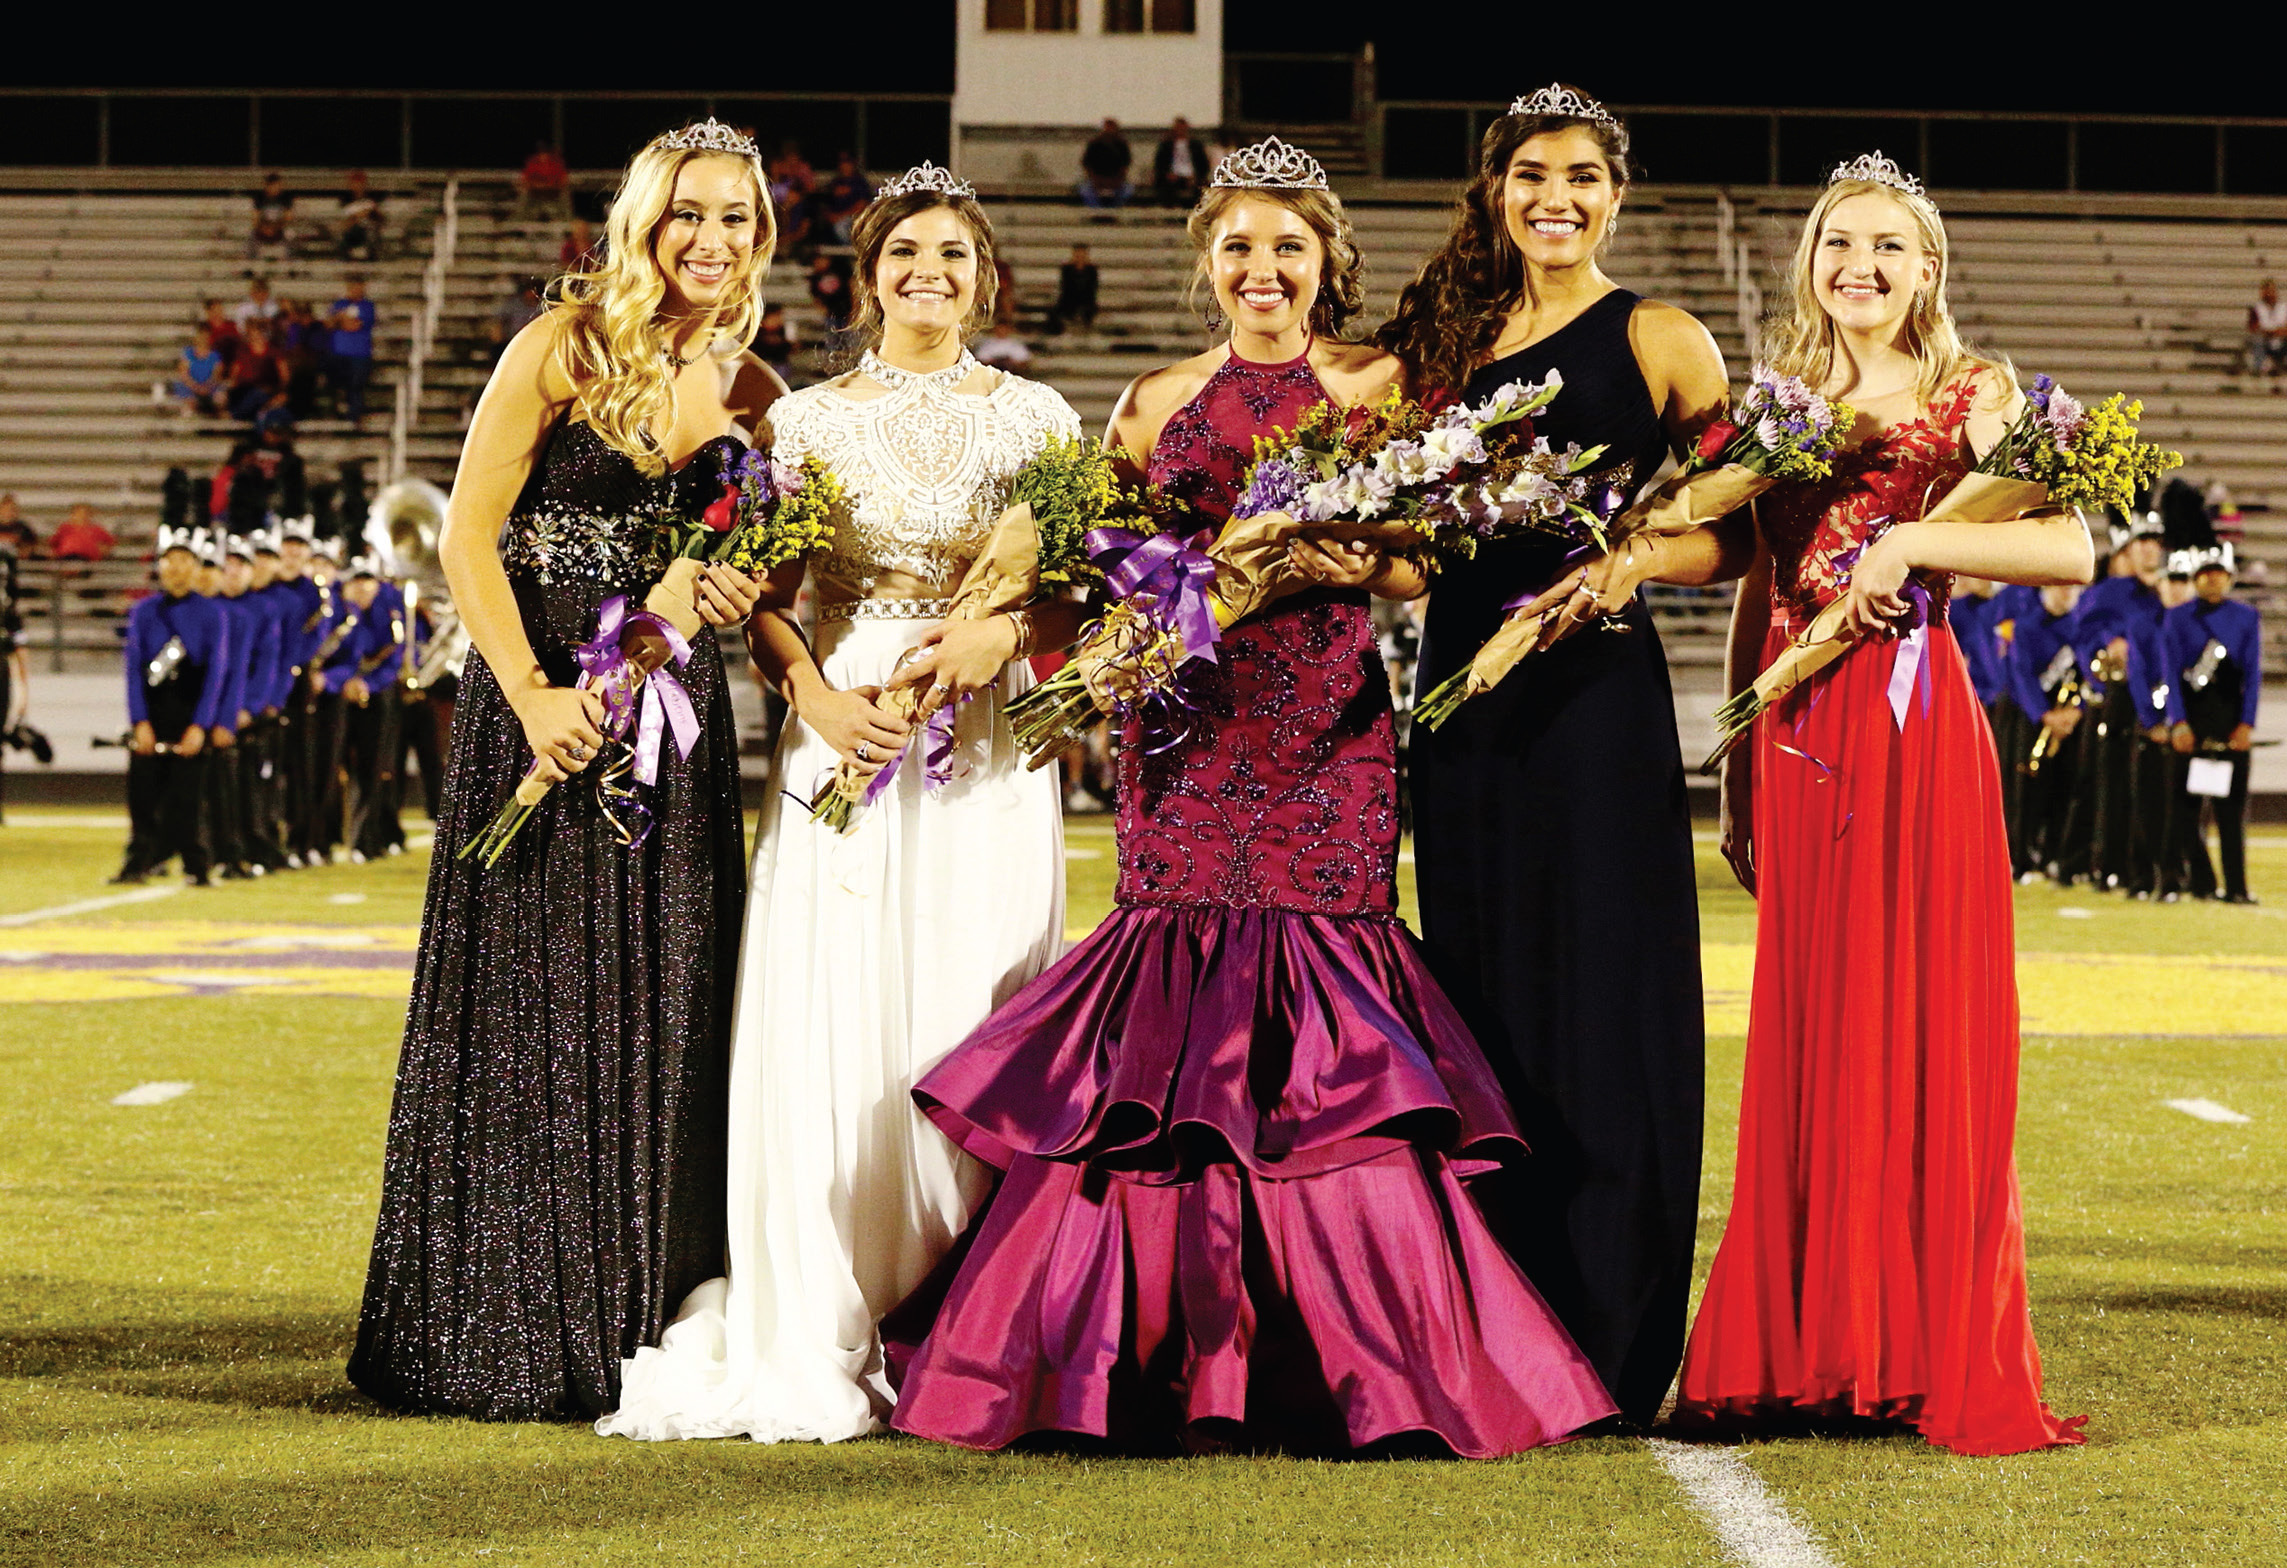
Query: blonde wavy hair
(1808, 341)
(609, 342)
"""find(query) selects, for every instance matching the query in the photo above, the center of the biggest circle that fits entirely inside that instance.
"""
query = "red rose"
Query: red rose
(1355, 423)
(721, 514)
(1715, 438)
(1437, 398)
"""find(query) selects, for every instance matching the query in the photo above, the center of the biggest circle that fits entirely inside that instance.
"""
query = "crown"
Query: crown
(709, 135)
(1269, 165)
(1561, 101)
(926, 176)
(1877, 169)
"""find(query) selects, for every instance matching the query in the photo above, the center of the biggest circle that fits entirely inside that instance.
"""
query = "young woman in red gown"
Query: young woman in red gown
(1874, 1262)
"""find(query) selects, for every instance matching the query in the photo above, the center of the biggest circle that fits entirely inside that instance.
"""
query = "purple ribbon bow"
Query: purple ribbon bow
(663, 705)
(1910, 667)
(1167, 578)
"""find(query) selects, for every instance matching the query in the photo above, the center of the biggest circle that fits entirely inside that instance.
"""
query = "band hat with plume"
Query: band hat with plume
(2215, 558)
(265, 540)
(2182, 562)
(710, 135)
(240, 545)
(1269, 165)
(1560, 101)
(1878, 170)
(303, 528)
(184, 539)
(926, 176)
(366, 565)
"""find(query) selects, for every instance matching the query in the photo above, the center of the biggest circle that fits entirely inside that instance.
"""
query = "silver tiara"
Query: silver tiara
(1560, 100)
(709, 135)
(1878, 170)
(926, 176)
(1269, 165)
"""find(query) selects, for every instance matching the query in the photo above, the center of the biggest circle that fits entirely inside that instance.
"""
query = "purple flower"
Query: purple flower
(1276, 487)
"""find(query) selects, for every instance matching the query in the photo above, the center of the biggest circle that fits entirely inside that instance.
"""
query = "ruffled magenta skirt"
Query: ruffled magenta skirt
(1234, 1143)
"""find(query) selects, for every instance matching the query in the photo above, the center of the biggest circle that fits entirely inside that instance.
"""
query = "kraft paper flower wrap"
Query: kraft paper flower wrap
(1781, 430)
(1428, 482)
(2058, 459)
(768, 513)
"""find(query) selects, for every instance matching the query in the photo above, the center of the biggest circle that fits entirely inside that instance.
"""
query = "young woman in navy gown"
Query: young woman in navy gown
(1235, 1120)
(1552, 833)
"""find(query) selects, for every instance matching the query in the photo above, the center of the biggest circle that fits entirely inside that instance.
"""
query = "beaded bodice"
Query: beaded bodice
(1815, 531)
(587, 515)
(1279, 790)
(926, 470)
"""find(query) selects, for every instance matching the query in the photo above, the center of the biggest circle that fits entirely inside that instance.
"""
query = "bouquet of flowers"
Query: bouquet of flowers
(1429, 483)
(1058, 500)
(769, 513)
(2057, 458)
(1781, 430)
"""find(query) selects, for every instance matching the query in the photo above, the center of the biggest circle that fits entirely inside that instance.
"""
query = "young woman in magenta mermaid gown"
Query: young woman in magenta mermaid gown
(1874, 1262)
(553, 1181)
(1235, 1119)
(1553, 835)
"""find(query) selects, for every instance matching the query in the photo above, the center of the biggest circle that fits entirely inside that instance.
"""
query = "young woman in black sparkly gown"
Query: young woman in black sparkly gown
(554, 1177)
(1553, 839)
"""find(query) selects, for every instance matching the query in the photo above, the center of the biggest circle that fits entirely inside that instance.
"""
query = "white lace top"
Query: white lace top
(927, 470)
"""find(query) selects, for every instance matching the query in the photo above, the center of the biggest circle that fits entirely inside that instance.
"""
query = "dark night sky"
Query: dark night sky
(1961, 58)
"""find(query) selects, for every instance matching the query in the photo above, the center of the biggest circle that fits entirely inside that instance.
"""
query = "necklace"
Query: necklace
(678, 361)
(872, 366)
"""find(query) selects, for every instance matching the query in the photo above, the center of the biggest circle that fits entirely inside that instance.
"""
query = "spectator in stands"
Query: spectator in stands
(349, 362)
(1075, 292)
(2267, 331)
(774, 340)
(257, 306)
(357, 219)
(199, 388)
(791, 186)
(15, 530)
(302, 342)
(271, 234)
(1104, 166)
(1002, 349)
(257, 375)
(518, 308)
(79, 537)
(222, 330)
(578, 252)
(844, 196)
(1179, 166)
(544, 188)
(830, 291)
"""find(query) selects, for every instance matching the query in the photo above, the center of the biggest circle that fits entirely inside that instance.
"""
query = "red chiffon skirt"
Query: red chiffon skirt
(1874, 1262)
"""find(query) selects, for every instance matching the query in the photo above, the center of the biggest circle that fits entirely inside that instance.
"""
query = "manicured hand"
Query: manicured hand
(862, 733)
(1336, 564)
(957, 659)
(724, 595)
(1874, 596)
(564, 727)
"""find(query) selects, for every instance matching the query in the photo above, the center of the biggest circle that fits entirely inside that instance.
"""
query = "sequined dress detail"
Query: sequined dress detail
(866, 957)
(1873, 1264)
(1235, 1118)
(552, 1185)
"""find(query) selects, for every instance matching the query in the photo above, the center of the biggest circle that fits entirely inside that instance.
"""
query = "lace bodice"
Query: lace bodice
(1817, 530)
(927, 469)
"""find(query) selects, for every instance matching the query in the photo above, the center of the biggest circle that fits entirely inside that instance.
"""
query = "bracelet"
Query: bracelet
(1025, 634)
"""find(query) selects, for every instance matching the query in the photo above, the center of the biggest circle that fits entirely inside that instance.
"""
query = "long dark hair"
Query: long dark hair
(869, 236)
(1450, 314)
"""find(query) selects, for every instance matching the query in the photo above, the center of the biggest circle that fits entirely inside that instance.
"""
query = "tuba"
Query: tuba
(403, 527)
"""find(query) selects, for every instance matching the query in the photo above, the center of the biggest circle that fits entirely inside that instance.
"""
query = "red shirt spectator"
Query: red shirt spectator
(79, 537)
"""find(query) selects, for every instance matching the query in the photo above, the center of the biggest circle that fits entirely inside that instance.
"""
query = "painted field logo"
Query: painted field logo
(114, 963)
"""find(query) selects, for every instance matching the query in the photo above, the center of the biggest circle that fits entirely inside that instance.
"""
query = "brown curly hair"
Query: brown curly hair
(1341, 273)
(869, 236)
(1450, 314)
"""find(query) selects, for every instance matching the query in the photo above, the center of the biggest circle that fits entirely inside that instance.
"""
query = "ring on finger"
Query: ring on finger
(577, 752)
(864, 753)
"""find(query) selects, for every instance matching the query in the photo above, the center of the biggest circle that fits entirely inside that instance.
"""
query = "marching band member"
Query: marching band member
(2214, 650)
(178, 671)
(2049, 684)
(2111, 615)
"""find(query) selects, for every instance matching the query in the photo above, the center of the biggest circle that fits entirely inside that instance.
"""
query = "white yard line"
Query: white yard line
(1755, 1528)
(88, 906)
(151, 1094)
(2206, 1110)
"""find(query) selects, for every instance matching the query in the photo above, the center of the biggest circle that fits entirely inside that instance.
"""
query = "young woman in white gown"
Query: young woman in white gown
(867, 957)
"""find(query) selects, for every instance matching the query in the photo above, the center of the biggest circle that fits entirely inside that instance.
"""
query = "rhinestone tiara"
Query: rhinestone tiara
(926, 176)
(1562, 101)
(1879, 170)
(709, 135)
(1269, 164)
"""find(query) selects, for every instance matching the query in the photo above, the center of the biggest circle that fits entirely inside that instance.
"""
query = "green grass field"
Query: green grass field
(179, 1284)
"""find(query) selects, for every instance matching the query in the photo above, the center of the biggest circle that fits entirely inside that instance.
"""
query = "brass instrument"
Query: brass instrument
(2065, 689)
(405, 523)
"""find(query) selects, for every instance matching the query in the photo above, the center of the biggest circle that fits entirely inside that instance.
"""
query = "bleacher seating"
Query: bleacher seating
(98, 289)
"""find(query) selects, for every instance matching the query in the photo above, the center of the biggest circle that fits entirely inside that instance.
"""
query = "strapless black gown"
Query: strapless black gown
(1553, 843)
(553, 1185)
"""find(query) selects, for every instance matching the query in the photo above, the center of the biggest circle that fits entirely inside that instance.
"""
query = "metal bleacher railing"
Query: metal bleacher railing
(407, 410)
